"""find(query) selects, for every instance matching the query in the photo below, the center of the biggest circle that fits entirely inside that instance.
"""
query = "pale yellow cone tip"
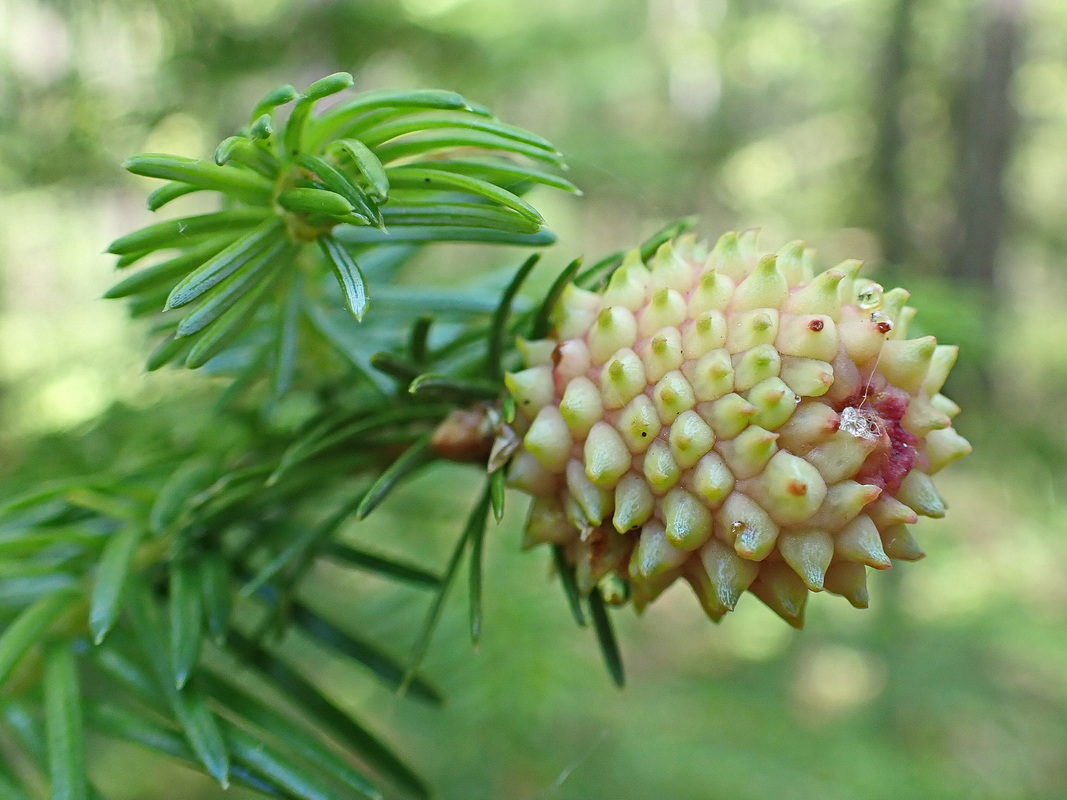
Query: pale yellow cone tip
(688, 520)
(729, 575)
(711, 480)
(859, 541)
(903, 323)
(766, 287)
(575, 312)
(669, 268)
(532, 388)
(614, 590)
(807, 377)
(726, 257)
(711, 375)
(775, 403)
(863, 335)
(571, 359)
(713, 292)
(535, 352)
(748, 246)
(549, 440)
(666, 309)
(689, 248)
(905, 362)
(791, 489)
(781, 590)
(922, 418)
(659, 467)
(844, 500)
(581, 406)
(607, 458)
(841, 455)
(628, 286)
(944, 405)
(851, 268)
(899, 543)
(850, 581)
(634, 503)
(750, 329)
(754, 543)
(662, 353)
(810, 425)
(672, 396)
(755, 365)
(809, 554)
(893, 303)
(622, 379)
(887, 510)
(945, 446)
(848, 382)
(594, 501)
(728, 415)
(655, 554)
(818, 297)
(808, 336)
(941, 363)
(748, 452)
(697, 578)
(529, 476)
(704, 333)
(918, 492)
(578, 519)
(639, 424)
(690, 438)
(633, 265)
(794, 260)
(614, 329)
(743, 518)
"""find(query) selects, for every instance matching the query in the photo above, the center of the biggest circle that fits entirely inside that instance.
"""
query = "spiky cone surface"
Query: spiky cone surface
(736, 421)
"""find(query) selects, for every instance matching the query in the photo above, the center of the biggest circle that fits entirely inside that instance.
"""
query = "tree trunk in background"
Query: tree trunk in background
(988, 122)
(889, 223)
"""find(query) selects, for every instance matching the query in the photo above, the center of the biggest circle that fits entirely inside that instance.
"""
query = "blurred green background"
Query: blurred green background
(927, 138)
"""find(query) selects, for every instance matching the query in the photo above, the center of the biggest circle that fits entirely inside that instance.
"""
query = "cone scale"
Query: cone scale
(734, 421)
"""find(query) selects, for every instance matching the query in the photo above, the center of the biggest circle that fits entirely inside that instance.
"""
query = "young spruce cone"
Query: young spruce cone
(735, 421)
